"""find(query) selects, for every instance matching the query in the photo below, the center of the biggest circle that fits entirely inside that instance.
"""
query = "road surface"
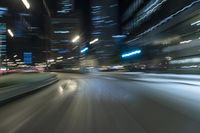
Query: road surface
(103, 104)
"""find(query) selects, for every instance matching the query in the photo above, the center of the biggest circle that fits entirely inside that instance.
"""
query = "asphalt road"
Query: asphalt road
(100, 104)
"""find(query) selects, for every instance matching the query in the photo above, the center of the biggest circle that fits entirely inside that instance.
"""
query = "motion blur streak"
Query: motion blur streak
(26, 3)
(98, 104)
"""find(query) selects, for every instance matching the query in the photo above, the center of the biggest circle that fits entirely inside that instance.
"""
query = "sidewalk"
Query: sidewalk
(14, 85)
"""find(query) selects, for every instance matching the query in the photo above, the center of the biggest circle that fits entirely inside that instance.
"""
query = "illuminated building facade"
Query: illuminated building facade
(104, 17)
(167, 30)
(3, 36)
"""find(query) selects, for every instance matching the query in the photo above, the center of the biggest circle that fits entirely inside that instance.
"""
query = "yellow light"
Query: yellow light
(76, 39)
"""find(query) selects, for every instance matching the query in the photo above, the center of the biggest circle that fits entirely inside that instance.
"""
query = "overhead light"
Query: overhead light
(61, 32)
(76, 39)
(10, 33)
(51, 60)
(15, 56)
(59, 57)
(196, 23)
(119, 36)
(26, 3)
(188, 41)
(94, 41)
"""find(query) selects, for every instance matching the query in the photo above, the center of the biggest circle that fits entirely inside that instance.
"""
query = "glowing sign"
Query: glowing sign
(136, 52)
(27, 57)
(84, 50)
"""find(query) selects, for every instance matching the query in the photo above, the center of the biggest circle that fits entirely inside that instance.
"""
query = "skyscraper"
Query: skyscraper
(65, 6)
(104, 17)
(3, 36)
(65, 24)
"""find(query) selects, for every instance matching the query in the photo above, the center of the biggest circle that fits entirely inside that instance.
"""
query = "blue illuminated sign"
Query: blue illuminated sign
(27, 58)
(136, 52)
(3, 11)
(3, 44)
(84, 50)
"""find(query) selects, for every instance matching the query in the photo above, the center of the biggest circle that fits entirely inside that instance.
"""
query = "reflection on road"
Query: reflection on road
(98, 104)
(69, 86)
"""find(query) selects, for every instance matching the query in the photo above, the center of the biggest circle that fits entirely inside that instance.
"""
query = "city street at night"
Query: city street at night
(96, 104)
(99, 66)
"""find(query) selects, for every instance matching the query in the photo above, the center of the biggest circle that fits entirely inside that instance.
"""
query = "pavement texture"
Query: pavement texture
(19, 78)
(104, 104)
(17, 84)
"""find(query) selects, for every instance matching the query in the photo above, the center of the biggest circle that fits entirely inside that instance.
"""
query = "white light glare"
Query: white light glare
(76, 39)
(188, 41)
(94, 41)
(51, 60)
(59, 57)
(26, 3)
(10, 33)
(15, 56)
(61, 90)
(61, 32)
(131, 53)
(196, 23)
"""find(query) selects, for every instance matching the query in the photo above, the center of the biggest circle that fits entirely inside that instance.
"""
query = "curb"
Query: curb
(24, 93)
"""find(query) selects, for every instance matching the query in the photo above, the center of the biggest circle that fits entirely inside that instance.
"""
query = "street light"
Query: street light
(76, 39)
(26, 3)
(59, 57)
(15, 56)
(94, 41)
(10, 33)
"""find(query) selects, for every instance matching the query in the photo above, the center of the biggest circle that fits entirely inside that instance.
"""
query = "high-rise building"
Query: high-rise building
(3, 36)
(63, 31)
(104, 17)
(141, 15)
(65, 25)
(18, 28)
(64, 7)
(3, 44)
(162, 28)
